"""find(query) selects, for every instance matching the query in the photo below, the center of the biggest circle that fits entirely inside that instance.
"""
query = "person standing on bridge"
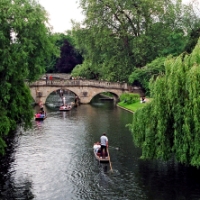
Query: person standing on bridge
(46, 79)
(51, 79)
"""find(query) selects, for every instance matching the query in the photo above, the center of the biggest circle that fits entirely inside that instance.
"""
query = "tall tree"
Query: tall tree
(169, 126)
(119, 36)
(67, 58)
(24, 45)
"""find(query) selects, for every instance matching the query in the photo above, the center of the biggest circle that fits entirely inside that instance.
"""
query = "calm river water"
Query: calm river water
(54, 161)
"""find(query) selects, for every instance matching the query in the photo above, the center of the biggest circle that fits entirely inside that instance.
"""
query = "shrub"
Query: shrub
(129, 98)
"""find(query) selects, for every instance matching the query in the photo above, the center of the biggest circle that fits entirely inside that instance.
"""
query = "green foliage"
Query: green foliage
(169, 125)
(144, 74)
(194, 36)
(25, 45)
(108, 94)
(65, 57)
(129, 98)
(176, 43)
(119, 36)
(82, 71)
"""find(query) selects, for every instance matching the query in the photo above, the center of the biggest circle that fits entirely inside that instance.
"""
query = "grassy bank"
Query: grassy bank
(132, 107)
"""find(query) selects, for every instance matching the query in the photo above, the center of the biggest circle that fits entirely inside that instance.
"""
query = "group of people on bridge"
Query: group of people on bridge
(50, 78)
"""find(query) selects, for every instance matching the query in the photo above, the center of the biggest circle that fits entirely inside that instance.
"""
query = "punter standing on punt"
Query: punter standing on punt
(104, 144)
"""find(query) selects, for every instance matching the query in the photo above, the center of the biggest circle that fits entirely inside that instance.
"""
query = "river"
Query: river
(54, 161)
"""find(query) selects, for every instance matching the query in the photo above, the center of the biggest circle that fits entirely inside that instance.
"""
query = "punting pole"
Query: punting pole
(109, 160)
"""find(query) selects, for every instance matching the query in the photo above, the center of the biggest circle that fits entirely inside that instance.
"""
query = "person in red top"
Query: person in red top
(51, 79)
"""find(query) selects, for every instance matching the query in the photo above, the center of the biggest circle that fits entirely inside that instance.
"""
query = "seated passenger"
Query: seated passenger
(99, 152)
(96, 146)
(37, 115)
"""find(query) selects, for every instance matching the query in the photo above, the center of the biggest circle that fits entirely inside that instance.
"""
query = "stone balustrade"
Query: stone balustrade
(79, 83)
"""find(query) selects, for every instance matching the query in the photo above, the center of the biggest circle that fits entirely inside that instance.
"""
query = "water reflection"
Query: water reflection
(39, 124)
(55, 99)
(54, 160)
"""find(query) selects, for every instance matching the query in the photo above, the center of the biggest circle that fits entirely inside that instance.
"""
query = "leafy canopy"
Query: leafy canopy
(24, 46)
(119, 36)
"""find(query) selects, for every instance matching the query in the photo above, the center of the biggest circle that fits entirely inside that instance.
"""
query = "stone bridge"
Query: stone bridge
(84, 89)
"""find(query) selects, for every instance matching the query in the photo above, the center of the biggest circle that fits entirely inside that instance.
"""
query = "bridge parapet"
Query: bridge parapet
(82, 83)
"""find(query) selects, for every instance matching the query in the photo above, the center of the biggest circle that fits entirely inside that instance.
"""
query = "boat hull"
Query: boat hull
(65, 108)
(99, 158)
(40, 118)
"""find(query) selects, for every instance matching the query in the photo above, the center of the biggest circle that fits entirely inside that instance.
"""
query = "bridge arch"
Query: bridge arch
(95, 93)
(57, 91)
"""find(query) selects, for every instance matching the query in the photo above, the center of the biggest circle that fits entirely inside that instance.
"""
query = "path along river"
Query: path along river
(54, 161)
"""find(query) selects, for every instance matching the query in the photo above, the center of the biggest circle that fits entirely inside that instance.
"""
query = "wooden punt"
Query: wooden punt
(65, 108)
(99, 158)
(40, 118)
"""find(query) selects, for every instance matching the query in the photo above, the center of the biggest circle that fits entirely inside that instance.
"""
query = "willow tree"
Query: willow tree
(118, 36)
(24, 47)
(169, 126)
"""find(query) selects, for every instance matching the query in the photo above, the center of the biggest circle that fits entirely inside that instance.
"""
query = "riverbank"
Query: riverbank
(125, 108)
